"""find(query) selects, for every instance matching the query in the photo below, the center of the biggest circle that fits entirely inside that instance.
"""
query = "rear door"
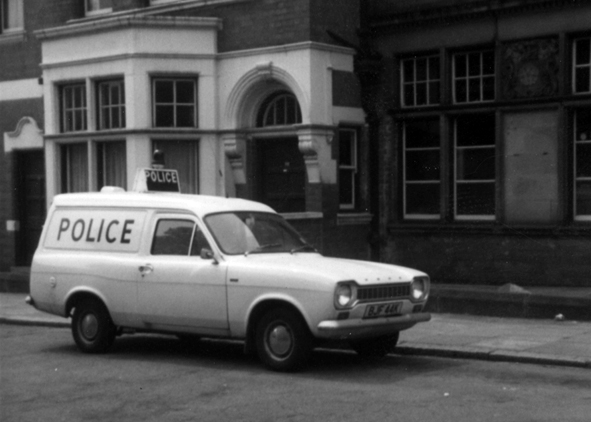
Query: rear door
(178, 290)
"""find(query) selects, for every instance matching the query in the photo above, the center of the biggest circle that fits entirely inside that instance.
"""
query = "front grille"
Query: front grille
(387, 292)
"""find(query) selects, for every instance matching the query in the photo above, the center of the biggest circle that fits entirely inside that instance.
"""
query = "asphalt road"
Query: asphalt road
(43, 377)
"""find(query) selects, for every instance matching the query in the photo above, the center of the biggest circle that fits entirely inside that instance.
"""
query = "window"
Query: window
(111, 164)
(582, 66)
(182, 156)
(74, 168)
(420, 81)
(111, 105)
(475, 167)
(95, 7)
(421, 168)
(178, 237)
(12, 15)
(73, 108)
(582, 164)
(348, 161)
(279, 109)
(474, 77)
(175, 102)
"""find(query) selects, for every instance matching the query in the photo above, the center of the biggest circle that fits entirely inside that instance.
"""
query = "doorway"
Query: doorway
(30, 202)
(282, 174)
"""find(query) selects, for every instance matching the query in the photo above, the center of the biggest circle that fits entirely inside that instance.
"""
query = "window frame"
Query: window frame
(481, 76)
(352, 167)
(414, 82)
(102, 108)
(174, 104)
(64, 110)
(99, 11)
(271, 104)
(575, 67)
(65, 170)
(102, 161)
(585, 218)
(4, 24)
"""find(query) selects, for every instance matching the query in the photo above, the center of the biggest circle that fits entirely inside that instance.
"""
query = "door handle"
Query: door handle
(146, 269)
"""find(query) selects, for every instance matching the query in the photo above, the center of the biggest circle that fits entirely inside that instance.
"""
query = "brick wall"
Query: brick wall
(523, 258)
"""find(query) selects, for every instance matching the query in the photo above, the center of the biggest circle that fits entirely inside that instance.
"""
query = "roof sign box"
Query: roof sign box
(156, 180)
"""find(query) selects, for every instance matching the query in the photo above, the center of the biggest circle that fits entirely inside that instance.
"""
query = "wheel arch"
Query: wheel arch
(261, 308)
(77, 296)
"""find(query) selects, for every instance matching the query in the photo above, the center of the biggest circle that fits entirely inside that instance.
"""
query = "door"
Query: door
(30, 200)
(178, 290)
(282, 175)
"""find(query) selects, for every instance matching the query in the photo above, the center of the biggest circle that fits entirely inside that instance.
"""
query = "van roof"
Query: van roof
(201, 205)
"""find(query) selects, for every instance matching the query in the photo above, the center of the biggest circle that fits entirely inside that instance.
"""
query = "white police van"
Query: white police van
(201, 266)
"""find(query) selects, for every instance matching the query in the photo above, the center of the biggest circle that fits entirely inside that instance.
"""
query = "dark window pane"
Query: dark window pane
(409, 95)
(421, 69)
(476, 164)
(408, 70)
(104, 94)
(164, 91)
(346, 153)
(475, 199)
(477, 129)
(461, 90)
(346, 186)
(474, 64)
(68, 97)
(583, 160)
(78, 97)
(582, 55)
(185, 116)
(105, 119)
(115, 98)
(185, 92)
(460, 66)
(583, 122)
(280, 110)
(421, 94)
(422, 133)
(291, 111)
(78, 120)
(474, 90)
(422, 165)
(582, 79)
(115, 123)
(434, 68)
(422, 199)
(434, 93)
(583, 199)
(164, 116)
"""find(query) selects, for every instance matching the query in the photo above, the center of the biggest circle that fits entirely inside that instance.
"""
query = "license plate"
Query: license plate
(382, 310)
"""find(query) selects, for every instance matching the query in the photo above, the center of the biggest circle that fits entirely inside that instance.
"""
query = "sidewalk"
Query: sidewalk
(539, 341)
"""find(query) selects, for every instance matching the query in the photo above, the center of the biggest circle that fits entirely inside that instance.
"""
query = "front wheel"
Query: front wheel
(283, 341)
(92, 328)
(375, 347)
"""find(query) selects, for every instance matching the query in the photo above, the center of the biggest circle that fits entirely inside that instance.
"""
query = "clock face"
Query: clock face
(528, 74)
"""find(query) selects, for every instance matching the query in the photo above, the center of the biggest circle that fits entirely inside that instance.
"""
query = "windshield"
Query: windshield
(254, 232)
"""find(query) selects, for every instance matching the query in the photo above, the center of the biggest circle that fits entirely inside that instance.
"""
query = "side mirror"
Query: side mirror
(208, 254)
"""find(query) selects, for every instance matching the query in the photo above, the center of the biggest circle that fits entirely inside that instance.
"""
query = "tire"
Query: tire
(92, 328)
(375, 347)
(283, 341)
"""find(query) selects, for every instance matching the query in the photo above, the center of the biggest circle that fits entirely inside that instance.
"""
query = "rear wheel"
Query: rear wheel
(92, 328)
(283, 341)
(375, 347)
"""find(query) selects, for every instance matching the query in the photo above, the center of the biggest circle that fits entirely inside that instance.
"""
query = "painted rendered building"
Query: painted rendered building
(248, 98)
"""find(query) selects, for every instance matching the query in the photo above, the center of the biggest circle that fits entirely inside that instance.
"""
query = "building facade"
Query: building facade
(247, 98)
(482, 111)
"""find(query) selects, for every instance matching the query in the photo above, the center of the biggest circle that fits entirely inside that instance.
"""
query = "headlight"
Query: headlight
(419, 288)
(344, 295)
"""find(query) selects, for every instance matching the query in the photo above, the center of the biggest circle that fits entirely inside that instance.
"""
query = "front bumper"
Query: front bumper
(364, 328)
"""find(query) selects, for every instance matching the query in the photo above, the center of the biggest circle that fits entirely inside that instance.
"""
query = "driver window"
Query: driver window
(172, 237)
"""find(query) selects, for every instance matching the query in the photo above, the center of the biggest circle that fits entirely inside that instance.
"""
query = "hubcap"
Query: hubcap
(89, 326)
(280, 340)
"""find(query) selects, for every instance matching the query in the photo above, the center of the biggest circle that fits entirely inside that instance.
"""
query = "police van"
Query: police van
(195, 266)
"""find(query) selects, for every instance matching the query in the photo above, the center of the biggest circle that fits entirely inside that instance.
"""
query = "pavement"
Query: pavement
(553, 341)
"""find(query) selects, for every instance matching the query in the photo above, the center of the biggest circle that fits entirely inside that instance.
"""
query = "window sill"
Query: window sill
(492, 228)
(354, 218)
(306, 215)
(12, 37)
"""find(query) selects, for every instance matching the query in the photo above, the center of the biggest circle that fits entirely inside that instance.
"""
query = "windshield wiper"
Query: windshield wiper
(303, 247)
(263, 247)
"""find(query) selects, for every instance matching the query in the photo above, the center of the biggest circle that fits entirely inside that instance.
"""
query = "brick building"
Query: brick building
(248, 98)
(482, 111)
